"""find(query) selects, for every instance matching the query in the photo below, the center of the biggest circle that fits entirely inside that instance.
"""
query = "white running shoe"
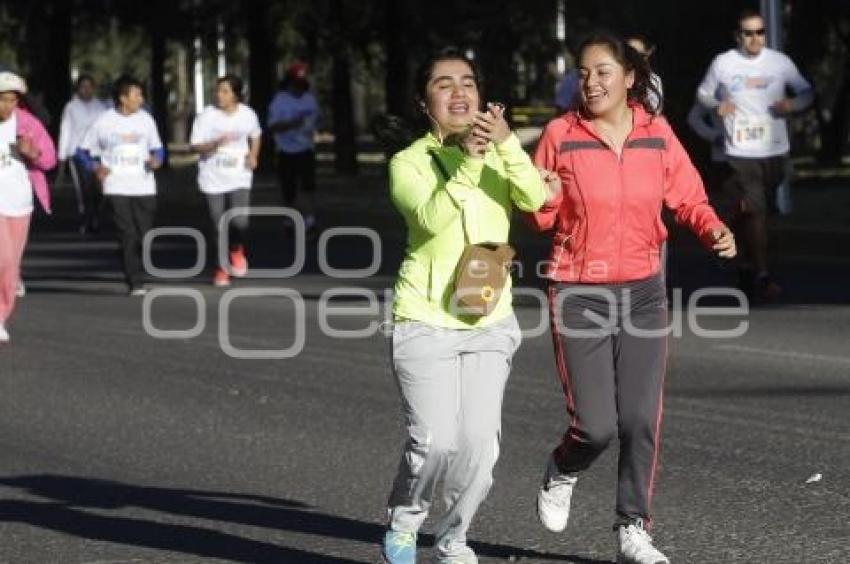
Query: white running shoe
(4, 335)
(635, 546)
(553, 499)
(137, 291)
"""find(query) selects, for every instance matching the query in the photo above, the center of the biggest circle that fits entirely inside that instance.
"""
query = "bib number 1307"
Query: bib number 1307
(752, 133)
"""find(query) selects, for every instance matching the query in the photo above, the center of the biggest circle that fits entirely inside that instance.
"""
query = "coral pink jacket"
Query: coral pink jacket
(607, 219)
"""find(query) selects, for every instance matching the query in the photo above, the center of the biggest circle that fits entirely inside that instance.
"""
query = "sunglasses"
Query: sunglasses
(752, 32)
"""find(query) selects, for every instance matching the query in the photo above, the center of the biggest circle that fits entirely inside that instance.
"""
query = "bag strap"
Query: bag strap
(444, 172)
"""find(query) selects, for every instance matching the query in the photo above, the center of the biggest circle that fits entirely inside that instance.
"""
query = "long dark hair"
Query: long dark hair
(397, 132)
(628, 57)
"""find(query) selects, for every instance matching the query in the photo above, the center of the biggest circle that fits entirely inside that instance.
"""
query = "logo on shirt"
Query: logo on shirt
(124, 138)
(744, 82)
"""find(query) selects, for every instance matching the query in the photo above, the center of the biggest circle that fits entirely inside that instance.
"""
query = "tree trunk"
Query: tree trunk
(261, 79)
(159, 96)
(47, 36)
(496, 59)
(345, 139)
(399, 93)
(834, 133)
(58, 90)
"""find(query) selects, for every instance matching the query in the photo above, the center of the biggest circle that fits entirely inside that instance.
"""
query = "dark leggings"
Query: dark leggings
(296, 172)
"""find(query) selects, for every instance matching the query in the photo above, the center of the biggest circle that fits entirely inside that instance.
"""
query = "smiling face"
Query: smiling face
(751, 35)
(604, 82)
(452, 96)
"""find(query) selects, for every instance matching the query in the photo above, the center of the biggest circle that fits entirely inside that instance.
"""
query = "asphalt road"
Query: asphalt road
(122, 447)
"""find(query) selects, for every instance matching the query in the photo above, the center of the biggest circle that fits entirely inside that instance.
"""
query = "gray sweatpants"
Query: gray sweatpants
(238, 226)
(451, 384)
(612, 372)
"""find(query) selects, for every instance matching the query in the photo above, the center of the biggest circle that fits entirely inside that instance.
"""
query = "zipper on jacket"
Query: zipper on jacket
(619, 159)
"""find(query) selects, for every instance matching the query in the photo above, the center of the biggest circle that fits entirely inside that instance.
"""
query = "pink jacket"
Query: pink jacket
(29, 126)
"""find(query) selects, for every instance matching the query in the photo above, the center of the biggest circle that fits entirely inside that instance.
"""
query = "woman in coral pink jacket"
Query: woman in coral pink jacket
(618, 163)
(26, 152)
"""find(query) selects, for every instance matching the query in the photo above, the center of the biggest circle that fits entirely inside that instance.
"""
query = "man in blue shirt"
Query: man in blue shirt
(293, 114)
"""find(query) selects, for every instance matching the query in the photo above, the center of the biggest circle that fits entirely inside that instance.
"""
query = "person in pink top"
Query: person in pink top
(618, 163)
(26, 152)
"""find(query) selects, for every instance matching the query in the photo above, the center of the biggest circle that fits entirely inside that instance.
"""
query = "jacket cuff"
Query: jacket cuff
(509, 146)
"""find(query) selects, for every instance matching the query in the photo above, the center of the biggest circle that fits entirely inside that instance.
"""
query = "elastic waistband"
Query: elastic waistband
(637, 291)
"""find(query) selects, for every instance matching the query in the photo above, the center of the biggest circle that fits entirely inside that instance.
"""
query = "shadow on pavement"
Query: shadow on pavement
(70, 495)
(773, 391)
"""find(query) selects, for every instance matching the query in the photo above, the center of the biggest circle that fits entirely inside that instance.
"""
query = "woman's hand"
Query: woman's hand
(552, 182)
(724, 242)
(491, 125)
(474, 145)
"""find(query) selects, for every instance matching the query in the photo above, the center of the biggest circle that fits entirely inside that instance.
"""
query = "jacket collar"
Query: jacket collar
(640, 118)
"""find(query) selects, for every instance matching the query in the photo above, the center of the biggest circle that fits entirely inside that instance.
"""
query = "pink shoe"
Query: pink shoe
(238, 262)
(221, 278)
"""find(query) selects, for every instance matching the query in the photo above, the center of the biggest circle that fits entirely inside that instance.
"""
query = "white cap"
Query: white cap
(10, 82)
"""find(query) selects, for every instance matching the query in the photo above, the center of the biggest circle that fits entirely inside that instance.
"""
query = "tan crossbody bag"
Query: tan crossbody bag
(482, 270)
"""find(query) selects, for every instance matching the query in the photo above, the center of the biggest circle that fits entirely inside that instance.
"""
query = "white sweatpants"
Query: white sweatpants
(451, 384)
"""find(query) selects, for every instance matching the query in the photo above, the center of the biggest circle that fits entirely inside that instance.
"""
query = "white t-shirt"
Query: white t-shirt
(226, 169)
(15, 185)
(124, 143)
(77, 117)
(753, 84)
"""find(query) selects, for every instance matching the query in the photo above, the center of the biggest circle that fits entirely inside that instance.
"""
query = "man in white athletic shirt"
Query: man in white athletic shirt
(747, 88)
(79, 113)
(125, 149)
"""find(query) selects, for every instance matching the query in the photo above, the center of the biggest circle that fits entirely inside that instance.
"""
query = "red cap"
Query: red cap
(297, 71)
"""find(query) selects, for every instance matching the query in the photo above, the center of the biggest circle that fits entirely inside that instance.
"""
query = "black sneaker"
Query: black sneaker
(766, 289)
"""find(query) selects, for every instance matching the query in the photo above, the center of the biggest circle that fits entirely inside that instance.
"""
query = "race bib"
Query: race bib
(752, 133)
(6, 158)
(127, 159)
(229, 161)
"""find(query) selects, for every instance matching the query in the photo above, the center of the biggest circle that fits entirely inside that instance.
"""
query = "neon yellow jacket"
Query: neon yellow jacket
(484, 190)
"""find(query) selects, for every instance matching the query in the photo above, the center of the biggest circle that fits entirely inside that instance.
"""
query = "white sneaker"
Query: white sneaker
(137, 291)
(553, 499)
(466, 557)
(635, 546)
(4, 335)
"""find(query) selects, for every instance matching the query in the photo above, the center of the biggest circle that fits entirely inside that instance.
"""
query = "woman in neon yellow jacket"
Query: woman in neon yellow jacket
(456, 184)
